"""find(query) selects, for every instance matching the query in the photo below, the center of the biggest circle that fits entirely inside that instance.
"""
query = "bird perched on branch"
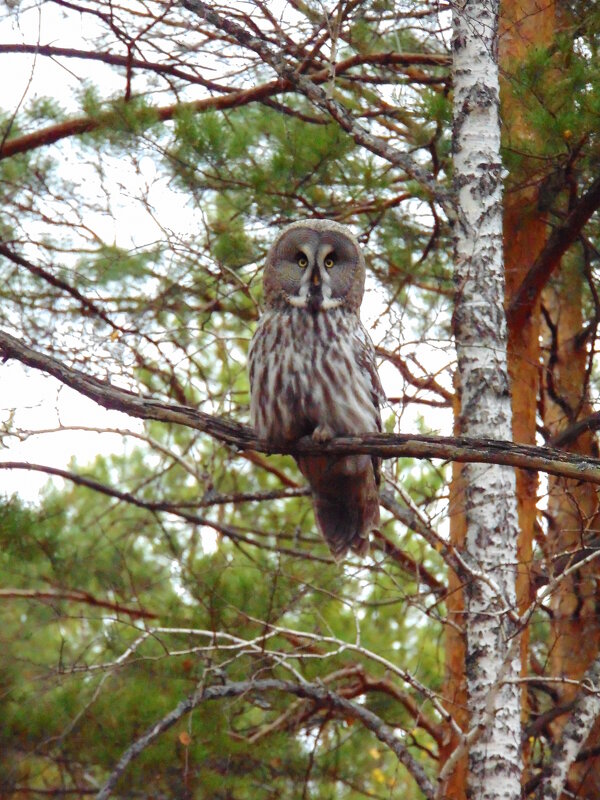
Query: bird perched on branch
(313, 373)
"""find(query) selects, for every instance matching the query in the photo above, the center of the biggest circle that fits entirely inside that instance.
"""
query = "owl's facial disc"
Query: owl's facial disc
(315, 268)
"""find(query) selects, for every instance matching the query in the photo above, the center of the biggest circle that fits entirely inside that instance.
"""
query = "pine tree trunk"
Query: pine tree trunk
(481, 342)
(455, 688)
(524, 25)
(572, 506)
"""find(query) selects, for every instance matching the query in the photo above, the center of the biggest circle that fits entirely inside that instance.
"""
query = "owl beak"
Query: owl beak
(315, 291)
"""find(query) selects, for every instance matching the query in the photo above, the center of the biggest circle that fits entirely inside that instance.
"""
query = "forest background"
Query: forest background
(139, 199)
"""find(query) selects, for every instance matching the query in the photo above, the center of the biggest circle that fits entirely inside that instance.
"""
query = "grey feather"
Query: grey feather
(312, 370)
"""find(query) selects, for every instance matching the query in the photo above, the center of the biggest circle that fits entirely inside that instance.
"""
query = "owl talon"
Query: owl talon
(322, 433)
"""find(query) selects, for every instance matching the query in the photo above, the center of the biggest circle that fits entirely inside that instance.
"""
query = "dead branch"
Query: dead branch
(235, 434)
(320, 695)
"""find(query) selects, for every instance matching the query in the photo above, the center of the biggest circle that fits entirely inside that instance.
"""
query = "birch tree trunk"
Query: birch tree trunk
(481, 342)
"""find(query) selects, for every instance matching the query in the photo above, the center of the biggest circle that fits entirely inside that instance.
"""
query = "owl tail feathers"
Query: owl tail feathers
(346, 513)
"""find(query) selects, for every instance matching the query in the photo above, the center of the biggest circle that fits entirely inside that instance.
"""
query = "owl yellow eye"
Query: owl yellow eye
(302, 260)
(329, 262)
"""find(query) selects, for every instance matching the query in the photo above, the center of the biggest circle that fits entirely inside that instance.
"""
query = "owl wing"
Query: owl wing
(364, 354)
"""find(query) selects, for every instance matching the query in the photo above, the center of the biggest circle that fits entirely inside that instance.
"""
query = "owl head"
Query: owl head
(315, 265)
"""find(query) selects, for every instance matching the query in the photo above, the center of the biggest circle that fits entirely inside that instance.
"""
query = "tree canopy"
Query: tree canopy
(163, 604)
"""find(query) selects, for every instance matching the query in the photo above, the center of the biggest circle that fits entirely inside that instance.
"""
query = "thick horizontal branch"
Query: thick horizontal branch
(385, 445)
(318, 694)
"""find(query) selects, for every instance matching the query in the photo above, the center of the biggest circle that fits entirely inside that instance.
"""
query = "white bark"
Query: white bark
(481, 339)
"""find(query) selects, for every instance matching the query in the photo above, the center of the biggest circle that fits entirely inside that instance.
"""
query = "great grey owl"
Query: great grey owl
(313, 372)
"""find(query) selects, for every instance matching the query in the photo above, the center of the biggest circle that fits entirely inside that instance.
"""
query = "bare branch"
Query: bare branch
(75, 596)
(461, 449)
(87, 305)
(318, 694)
(427, 383)
(566, 438)
(586, 710)
(114, 59)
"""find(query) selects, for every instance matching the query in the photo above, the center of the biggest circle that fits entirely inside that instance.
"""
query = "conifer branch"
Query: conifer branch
(80, 125)
(319, 97)
(406, 562)
(229, 97)
(74, 596)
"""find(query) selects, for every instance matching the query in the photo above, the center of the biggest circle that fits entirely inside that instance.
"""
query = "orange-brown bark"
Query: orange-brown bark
(455, 682)
(525, 298)
(522, 230)
(524, 24)
(572, 506)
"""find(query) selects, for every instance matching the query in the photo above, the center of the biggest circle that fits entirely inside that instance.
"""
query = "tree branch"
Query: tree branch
(230, 432)
(79, 125)
(380, 542)
(230, 97)
(318, 694)
(560, 240)
(76, 596)
(87, 305)
(114, 60)
(586, 710)
(388, 59)
(318, 96)
(427, 383)
(577, 429)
